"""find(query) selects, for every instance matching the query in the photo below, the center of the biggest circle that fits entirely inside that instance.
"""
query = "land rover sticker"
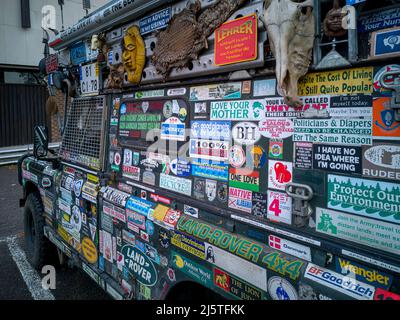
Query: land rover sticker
(139, 265)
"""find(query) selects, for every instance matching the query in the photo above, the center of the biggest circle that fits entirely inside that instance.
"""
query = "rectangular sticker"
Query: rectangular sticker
(263, 88)
(338, 282)
(351, 106)
(369, 198)
(240, 199)
(290, 247)
(369, 232)
(188, 244)
(279, 207)
(192, 269)
(348, 81)
(237, 110)
(209, 149)
(381, 161)
(180, 185)
(303, 155)
(236, 41)
(211, 130)
(244, 179)
(158, 20)
(334, 131)
(241, 268)
(219, 91)
(334, 158)
(363, 273)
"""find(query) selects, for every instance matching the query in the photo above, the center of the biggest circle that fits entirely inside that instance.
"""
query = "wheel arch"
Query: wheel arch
(191, 290)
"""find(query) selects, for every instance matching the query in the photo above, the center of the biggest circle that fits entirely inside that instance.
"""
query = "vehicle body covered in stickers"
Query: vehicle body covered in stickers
(208, 183)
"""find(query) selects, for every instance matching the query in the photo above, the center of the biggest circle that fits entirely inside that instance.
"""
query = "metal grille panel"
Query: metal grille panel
(82, 141)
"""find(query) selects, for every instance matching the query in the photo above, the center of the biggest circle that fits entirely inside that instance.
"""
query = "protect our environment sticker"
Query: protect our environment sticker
(369, 198)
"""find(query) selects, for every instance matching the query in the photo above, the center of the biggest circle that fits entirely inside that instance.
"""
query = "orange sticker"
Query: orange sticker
(385, 124)
(236, 41)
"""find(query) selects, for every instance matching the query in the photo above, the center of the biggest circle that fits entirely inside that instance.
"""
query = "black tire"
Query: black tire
(39, 250)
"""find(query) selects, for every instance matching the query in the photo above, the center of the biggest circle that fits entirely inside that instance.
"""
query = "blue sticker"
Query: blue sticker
(78, 54)
(123, 109)
(101, 263)
(210, 169)
(387, 43)
(180, 167)
(139, 205)
(212, 130)
(384, 19)
(149, 227)
(155, 21)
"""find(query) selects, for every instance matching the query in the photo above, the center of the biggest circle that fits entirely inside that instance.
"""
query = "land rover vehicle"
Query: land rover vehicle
(198, 177)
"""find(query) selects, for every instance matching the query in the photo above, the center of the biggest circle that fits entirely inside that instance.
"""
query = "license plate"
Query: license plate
(89, 75)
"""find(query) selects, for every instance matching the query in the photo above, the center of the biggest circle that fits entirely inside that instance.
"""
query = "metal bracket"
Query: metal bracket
(391, 80)
(301, 194)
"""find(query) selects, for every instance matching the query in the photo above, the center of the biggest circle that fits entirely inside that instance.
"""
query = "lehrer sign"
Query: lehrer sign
(236, 41)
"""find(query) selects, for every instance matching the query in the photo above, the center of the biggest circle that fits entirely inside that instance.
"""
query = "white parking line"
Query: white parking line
(30, 276)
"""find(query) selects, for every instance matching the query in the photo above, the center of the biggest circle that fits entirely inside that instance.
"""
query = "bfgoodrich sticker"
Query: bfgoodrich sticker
(369, 232)
(338, 282)
(369, 198)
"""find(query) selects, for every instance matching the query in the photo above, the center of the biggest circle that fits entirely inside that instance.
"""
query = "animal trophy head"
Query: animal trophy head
(95, 42)
(291, 30)
(134, 54)
(333, 22)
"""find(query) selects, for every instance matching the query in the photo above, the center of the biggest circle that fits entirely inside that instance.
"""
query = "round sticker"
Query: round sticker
(117, 159)
(237, 157)
(281, 289)
(89, 250)
(182, 114)
(167, 109)
(278, 128)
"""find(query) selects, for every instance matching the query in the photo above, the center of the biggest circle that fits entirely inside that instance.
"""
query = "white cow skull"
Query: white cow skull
(95, 42)
(291, 32)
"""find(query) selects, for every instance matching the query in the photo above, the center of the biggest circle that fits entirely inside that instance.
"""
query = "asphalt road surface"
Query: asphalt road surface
(18, 279)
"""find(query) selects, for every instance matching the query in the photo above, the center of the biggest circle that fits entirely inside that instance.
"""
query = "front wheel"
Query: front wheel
(39, 250)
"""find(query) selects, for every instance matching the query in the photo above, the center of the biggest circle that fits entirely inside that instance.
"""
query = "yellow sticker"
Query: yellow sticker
(160, 211)
(347, 81)
(93, 178)
(89, 250)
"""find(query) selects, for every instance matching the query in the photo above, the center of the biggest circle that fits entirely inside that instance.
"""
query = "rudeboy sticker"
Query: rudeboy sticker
(346, 285)
(279, 207)
(279, 174)
(382, 160)
(290, 247)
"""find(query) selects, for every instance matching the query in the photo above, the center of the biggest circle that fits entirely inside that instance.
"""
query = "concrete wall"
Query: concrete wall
(24, 47)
